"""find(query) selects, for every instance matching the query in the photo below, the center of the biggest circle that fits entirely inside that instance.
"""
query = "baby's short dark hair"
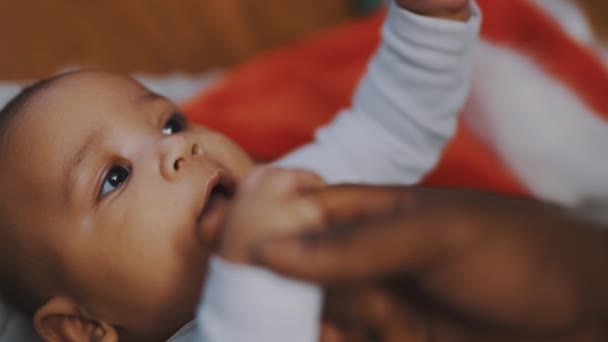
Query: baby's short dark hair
(20, 101)
(12, 287)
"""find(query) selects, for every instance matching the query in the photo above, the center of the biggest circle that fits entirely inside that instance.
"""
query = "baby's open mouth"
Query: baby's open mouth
(219, 193)
(215, 208)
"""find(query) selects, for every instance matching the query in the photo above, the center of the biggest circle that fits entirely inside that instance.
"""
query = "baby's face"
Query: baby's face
(111, 185)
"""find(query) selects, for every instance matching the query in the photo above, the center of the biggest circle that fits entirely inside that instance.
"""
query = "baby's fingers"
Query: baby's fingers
(292, 217)
(447, 9)
(299, 215)
(305, 181)
(426, 6)
(276, 181)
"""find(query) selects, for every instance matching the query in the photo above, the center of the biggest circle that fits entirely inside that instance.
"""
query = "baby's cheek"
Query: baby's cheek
(171, 292)
(227, 153)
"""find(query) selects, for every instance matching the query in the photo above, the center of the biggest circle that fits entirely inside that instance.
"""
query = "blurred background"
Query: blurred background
(174, 47)
(39, 37)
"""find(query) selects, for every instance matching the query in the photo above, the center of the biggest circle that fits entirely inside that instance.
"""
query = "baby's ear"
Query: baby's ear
(60, 320)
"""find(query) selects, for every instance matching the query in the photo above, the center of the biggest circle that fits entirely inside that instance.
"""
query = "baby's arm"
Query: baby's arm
(245, 303)
(399, 143)
(406, 106)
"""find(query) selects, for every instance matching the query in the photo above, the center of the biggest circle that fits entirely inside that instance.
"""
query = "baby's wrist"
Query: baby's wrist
(236, 249)
(461, 13)
(236, 256)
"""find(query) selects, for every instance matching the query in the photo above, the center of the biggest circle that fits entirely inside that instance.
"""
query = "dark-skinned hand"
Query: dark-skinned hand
(416, 264)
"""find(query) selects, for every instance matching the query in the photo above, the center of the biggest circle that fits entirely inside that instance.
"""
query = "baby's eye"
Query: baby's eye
(115, 177)
(175, 124)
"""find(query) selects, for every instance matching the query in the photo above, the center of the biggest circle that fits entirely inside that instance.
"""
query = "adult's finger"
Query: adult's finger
(356, 252)
(345, 204)
(331, 333)
(370, 312)
(399, 230)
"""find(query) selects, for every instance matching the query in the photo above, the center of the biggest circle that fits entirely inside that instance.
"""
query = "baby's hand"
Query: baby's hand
(269, 202)
(447, 9)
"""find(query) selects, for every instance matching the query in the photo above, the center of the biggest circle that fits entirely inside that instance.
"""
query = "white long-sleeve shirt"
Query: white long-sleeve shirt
(405, 108)
(403, 113)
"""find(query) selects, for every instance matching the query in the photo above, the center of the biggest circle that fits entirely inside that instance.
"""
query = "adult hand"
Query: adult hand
(448, 265)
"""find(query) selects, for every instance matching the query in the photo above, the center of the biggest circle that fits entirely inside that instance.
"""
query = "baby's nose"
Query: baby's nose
(178, 153)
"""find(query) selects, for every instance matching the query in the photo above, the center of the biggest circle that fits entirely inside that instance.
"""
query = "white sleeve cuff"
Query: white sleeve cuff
(250, 304)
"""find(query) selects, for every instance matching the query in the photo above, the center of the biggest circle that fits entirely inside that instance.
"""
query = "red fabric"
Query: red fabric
(469, 163)
(273, 103)
(523, 26)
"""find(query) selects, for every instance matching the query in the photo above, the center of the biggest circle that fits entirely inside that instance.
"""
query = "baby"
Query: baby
(111, 199)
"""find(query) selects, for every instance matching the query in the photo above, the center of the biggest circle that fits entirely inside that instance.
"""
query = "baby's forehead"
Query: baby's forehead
(91, 85)
(76, 102)
(81, 98)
